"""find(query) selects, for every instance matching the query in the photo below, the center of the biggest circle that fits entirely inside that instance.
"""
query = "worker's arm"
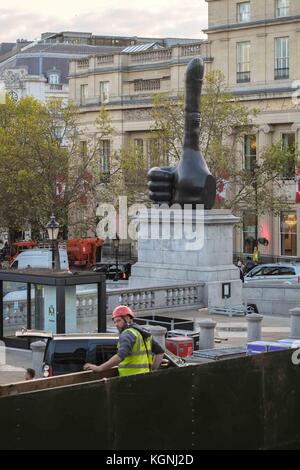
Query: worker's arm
(126, 342)
(157, 358)
(112, 362)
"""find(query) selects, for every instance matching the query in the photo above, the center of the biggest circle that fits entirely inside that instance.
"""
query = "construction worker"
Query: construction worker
(135, 347)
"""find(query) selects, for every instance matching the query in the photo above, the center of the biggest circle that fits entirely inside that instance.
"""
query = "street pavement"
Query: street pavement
(230, 331)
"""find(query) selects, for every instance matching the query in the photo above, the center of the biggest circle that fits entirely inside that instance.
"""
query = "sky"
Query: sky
(161, 18)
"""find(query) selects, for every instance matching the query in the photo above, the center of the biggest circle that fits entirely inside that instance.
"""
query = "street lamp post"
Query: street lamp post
(53, 230)
(116, 245)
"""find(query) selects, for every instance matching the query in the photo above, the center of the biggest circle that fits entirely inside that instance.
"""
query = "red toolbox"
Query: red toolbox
(181, 346)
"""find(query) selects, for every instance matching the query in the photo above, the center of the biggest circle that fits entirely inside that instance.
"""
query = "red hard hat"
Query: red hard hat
(122, 311)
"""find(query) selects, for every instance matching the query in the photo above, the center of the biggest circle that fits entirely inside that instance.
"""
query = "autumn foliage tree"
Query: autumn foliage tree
(48, 164)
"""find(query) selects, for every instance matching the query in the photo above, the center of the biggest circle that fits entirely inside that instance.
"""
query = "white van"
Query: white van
(39, 258)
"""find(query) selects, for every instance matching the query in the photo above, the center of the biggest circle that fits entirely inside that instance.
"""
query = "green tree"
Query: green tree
(47, 162)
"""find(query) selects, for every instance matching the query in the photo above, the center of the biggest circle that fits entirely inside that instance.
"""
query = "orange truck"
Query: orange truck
(82, 252)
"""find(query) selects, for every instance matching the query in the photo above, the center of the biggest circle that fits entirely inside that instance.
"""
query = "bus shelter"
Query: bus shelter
(60, 302)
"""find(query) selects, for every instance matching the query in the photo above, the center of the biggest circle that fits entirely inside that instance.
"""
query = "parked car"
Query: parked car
(66, 354)
(274, 272)
(110, 270)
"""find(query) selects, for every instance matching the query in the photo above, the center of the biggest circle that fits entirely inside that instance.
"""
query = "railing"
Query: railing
(152, 56)
(191, 50)
(83, 64)
(243, 77)
(282, 73)
(176, 297)
(56, 86)
(104, 59)
(157, 55)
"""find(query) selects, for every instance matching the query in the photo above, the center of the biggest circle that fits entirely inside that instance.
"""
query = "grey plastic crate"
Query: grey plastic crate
(221, 353)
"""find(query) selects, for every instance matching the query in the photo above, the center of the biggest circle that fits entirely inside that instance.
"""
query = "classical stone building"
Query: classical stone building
(40, 68)
(125, 82)
(256, 45)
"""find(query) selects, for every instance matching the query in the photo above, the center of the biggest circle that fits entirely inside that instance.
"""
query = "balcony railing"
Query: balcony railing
(243, 77)
(282, 73)
(152, 56)
(191, 50)
(83, 64)
(104, 59)
(56, 87)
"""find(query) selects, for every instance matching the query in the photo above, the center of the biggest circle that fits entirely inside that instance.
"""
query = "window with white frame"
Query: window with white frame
(147, 85)
(139, 146)
(288, 230)
(288, 142)
(243, 62)
(105, 156)
(243, 12)
(83, 94)
(250, 151)
(59, 132)
(54, 79)
(104, 92)
(153, 152)
(282, 8)
(83, 148)
(249, 231)
(282, 67)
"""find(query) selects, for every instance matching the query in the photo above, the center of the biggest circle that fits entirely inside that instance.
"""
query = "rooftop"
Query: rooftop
(49, 277)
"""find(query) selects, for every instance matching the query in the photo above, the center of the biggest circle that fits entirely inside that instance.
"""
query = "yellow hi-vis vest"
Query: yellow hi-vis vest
(139, 361)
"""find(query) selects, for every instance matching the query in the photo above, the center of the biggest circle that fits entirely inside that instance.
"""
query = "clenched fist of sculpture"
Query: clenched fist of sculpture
(190, 182)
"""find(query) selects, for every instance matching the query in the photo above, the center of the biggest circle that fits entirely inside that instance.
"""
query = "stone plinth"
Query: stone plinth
(174, 260)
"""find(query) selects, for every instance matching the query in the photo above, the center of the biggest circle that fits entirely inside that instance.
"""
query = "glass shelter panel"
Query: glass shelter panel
(86, 308)
(14, 307)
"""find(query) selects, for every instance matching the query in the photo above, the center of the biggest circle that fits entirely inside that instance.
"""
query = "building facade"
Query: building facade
(125, 82)
(40, 68)
(256, 45)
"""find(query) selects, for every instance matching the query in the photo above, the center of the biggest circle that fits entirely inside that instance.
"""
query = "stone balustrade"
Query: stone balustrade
(144, 57)
(192, 50)
(159, 55)
(165, 298)
(158, 298)
(104, 59)
(83, 64)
